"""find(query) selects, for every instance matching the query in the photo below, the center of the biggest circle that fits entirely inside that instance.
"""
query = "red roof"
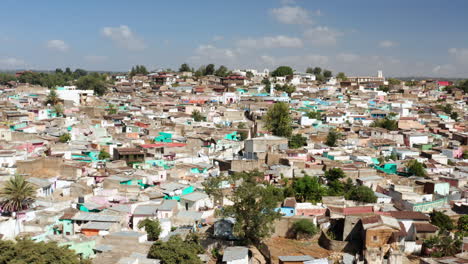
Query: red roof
(158, 145)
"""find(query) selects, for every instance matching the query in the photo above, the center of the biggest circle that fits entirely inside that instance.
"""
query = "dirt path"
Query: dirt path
(290, 247)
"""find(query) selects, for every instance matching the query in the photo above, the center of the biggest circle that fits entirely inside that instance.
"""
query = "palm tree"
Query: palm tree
(52, 98)
(16, 194)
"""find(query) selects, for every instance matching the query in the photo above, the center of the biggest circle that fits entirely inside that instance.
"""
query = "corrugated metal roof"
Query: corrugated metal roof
(235, 253)
(97, 225)
(96, 217)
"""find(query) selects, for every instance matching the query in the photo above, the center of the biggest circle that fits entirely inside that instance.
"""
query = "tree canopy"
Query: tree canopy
(253, 208)
(282, 71)
(341, 76)
(385, 123)
(93, 82)
(287, 88)
(103, 155)
(197, 116)
(176, 251)
(152, 228)
(138, 69)
(442, 221)
(416, 168)
(332, 137)
(222, 71)
(185, 68)
(17, 194)
(308, 188)
(210, 69)
(278, 120)
(297, 141)
(28, 251)
(303, 228)
(327, 74)
(361, 194)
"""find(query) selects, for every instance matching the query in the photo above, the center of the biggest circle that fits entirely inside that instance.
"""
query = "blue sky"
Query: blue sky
(400, 37)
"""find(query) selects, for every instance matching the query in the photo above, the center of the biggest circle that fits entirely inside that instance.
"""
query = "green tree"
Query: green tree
(416, 168)
(334, 174)
(296, 141)
(138, 69)
(185, 68)
(64, 138)
(152, 228)
(210, 69)
(464, 86)
(197, 116)
(317, 70)
(79, 73)
(454, 116)
(253, 208)
(28, 251)
(385, 123)
(103, 155)
(68, 71)
(393, 81)
(112, 110)
(309, 70)
(52, 98)
(222, 71)
(16, 194)
(361, 194)
(303, 228)
(201, 71)
(332, 137)
(92, 82)
(58, 108)
(176, 251)
(442, 221)
(267, 84)
(278, 121)
(242, 135)
(327, 74)
(443, 245)
(308, 189)
(463, 223)
(314, 115)
(341, 76)
(282, 71)
(287, 88)
(5, 78)
(212, 187)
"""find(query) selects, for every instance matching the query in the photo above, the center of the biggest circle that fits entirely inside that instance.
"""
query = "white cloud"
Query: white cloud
(211, 54)
(322, 35)
(347, 57)
(461, 55)
(291, 15)
(387, 44)
(11, 62)
(444, 70)
(288, 2)
(271, 42)
(57, 44)
(95, 58)
(124, 37)
(298, 62)
(217, 38)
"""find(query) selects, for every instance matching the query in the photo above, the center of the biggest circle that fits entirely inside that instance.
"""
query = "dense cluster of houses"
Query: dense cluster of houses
(159, 156)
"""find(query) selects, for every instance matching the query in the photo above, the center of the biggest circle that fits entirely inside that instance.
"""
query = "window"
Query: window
(375, 238)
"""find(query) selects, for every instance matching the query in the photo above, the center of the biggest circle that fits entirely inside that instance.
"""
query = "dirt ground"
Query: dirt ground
(289, 247)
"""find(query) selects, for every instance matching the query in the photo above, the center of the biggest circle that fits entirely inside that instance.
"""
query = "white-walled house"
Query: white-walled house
(70, 93)
(196, 201)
